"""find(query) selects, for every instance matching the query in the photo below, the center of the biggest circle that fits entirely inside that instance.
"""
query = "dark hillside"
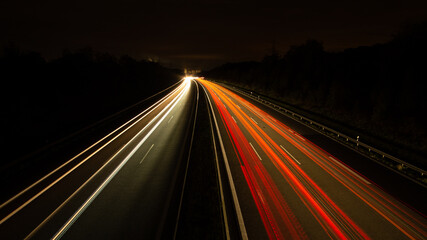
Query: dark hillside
(43, 101)
(379, 92)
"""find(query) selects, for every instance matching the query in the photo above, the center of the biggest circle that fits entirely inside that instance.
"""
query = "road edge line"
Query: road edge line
(230, 178)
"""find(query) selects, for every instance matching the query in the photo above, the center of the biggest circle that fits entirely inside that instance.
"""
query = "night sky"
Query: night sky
(204, 33)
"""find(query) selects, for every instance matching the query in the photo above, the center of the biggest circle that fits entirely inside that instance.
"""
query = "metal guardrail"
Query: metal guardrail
(408, 170)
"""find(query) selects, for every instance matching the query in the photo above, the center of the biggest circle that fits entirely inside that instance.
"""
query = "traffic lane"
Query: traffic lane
(23, 222)
(109, 149)
(264, 196)
(401, 188)
(277, 218)
(356, 209)
(31, 171)
(370, 199)
(43, 205)
(290, 203)
(141, 200)
(380, 204)
(327, 181)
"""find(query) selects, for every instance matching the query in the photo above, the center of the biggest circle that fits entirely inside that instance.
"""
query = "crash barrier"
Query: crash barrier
(408, 170)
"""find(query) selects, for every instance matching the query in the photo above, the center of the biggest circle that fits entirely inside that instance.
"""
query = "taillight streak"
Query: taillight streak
(323, 207)
(267, 197)
(359, 187)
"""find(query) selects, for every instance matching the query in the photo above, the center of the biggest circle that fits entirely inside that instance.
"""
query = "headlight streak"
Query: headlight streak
(141, 115)
(329, 215)
(83, 207)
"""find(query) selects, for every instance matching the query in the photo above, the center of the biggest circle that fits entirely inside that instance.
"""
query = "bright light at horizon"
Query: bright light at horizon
(187, 79)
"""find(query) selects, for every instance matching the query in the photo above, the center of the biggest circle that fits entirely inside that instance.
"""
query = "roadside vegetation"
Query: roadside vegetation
(44, 101)
(375, 92)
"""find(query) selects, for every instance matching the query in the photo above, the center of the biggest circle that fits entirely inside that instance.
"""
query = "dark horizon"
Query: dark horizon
(201, 34)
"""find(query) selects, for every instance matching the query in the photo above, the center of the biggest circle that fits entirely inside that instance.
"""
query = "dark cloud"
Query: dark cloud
(210, 31)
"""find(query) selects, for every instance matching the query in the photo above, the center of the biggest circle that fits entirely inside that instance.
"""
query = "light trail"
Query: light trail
(334, 221)
(164, 113)
(267, 197)
(141, 116)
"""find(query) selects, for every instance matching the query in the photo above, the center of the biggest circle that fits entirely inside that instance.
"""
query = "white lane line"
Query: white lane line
(83, 207)
(170, 119)
(146, 153)
(187, 164)
(351, 171)
(234, 119)
(238, 106)
(254, 121)
(224, 210)
(237, 208)
(255, 151)
(96, 173)
(68, 172)
(290, 155)
(150, 109)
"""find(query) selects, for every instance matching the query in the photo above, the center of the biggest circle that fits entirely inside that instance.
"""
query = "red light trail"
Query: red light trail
(278, 218)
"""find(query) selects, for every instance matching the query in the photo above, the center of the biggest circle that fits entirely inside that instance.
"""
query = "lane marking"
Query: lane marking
(69, 171)
(290, 155)
(224, 210)
(149, 109)
(254, 121)
(238, 106)
(147, 153)
(186, 169)
(170, 119)
(86, 204)
(255, 151)
(234, 119)
(237, 208)
(96, 173)
(351, 171)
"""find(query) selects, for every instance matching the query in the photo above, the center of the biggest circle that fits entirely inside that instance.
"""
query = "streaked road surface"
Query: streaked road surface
(275, 183)
(126, 185)
(289, 188)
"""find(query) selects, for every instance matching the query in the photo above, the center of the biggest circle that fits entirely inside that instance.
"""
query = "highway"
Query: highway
(266, 180)
(126, 185)
(286, 187)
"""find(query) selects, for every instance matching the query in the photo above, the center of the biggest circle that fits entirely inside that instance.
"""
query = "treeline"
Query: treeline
(43, 101)
(379, 90)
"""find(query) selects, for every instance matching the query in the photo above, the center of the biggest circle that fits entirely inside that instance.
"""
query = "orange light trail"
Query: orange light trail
(335, 222)
(397, 216)
(267, 197)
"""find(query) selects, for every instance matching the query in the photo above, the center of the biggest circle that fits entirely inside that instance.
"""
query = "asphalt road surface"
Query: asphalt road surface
(274, 180)
(126, 185)
(286, 187)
